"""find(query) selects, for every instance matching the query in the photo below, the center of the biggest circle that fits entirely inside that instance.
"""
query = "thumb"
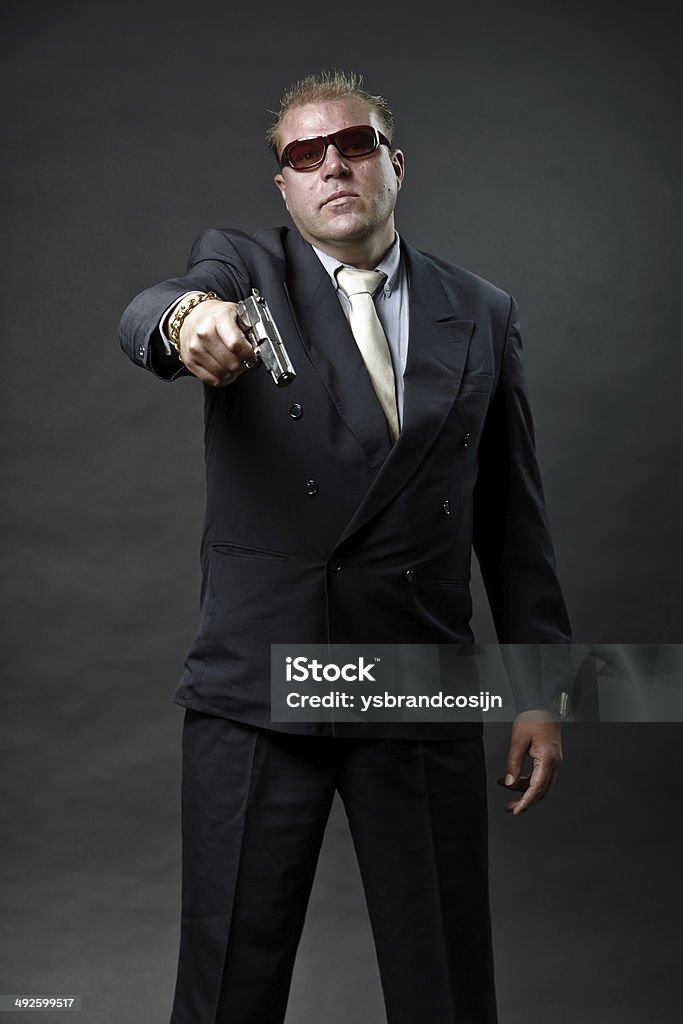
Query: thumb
(515, 761)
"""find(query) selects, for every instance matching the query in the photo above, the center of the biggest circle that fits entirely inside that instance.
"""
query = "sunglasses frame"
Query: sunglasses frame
(331, 140)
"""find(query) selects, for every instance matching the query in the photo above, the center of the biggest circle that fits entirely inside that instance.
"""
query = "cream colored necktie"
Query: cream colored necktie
(360, 286)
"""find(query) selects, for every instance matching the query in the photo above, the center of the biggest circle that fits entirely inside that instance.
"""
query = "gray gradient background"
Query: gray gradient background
(542, 153)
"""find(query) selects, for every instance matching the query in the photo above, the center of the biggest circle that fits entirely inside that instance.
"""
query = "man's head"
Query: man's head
(345, 203)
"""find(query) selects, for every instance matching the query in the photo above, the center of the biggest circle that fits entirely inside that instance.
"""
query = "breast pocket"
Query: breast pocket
(476, 383)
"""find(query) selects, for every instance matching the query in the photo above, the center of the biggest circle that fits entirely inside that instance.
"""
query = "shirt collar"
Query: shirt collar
(390, 264)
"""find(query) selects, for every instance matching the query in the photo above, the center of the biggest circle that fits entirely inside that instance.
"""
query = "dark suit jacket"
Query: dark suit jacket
(316, 529)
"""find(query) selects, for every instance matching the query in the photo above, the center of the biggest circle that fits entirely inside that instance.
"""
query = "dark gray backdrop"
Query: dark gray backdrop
(542, 152)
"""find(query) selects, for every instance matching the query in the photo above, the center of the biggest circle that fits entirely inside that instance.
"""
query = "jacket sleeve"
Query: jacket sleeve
(511, 531)
(214, 265)
(513, 544)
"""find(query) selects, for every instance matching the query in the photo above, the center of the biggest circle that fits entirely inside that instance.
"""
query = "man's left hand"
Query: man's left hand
(538, 734)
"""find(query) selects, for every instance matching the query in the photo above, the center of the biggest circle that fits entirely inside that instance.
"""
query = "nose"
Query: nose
(334, 165)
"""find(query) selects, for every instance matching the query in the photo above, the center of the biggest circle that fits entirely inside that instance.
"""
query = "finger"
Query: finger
(515, 762)
(519, 785)
(230, 336)
(203, 359)
(212, 379)
(230, 352)
(532, 796)
(208, 369)
(222, 354)
(540, 783)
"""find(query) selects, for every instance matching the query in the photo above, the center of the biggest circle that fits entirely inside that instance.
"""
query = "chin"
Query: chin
(345, 232)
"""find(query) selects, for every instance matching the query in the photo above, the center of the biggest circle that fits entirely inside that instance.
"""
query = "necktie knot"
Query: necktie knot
(358, 282)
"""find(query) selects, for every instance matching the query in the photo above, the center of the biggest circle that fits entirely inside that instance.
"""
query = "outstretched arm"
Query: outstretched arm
(213, 347)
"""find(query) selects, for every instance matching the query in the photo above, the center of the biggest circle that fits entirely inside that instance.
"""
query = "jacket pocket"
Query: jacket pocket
(245, 551)
(444, 582)
(476, 383)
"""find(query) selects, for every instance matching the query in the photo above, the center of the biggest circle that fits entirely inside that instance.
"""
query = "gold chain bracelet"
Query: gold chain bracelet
(181, 312)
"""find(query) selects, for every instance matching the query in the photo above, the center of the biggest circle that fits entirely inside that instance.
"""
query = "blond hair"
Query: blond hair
(328, 85)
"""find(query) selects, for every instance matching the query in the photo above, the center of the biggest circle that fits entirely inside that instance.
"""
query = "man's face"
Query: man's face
(342, 201)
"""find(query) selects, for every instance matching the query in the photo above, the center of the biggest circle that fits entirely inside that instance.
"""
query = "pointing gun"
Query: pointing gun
(256, 321)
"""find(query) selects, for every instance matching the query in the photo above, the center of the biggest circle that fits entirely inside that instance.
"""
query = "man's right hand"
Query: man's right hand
(212, 344)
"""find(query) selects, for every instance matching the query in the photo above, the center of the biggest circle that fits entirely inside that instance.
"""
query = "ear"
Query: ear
(398, 163)
(280, 183)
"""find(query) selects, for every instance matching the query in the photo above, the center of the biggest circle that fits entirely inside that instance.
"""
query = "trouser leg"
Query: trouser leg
(417, 812)
(255, 804)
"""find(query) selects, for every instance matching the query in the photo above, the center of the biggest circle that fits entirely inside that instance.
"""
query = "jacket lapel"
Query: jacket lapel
(437, 351)
(327, 338)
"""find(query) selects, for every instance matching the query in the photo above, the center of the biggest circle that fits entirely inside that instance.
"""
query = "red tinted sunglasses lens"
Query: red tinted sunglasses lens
(356, 141)
(306, 153)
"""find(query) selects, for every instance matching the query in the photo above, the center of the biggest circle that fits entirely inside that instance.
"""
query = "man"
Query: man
(344, 509)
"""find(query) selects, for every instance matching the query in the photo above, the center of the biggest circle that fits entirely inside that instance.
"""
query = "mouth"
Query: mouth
(339, 194)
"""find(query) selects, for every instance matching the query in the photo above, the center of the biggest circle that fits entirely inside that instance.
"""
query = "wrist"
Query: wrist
(176, 317)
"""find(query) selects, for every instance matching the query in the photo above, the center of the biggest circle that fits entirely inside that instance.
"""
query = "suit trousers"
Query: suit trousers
(255, 803)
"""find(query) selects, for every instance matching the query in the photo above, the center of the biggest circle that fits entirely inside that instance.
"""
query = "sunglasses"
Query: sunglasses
(353, 143)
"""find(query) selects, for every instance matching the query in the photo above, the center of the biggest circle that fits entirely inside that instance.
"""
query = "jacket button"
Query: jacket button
(466, 440)
(311, 487)
(296, 411)
(446, 508)
(410, 575)
(141, 350)
(336, 567)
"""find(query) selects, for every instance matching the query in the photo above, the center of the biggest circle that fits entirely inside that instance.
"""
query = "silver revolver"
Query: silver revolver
(256, 321)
